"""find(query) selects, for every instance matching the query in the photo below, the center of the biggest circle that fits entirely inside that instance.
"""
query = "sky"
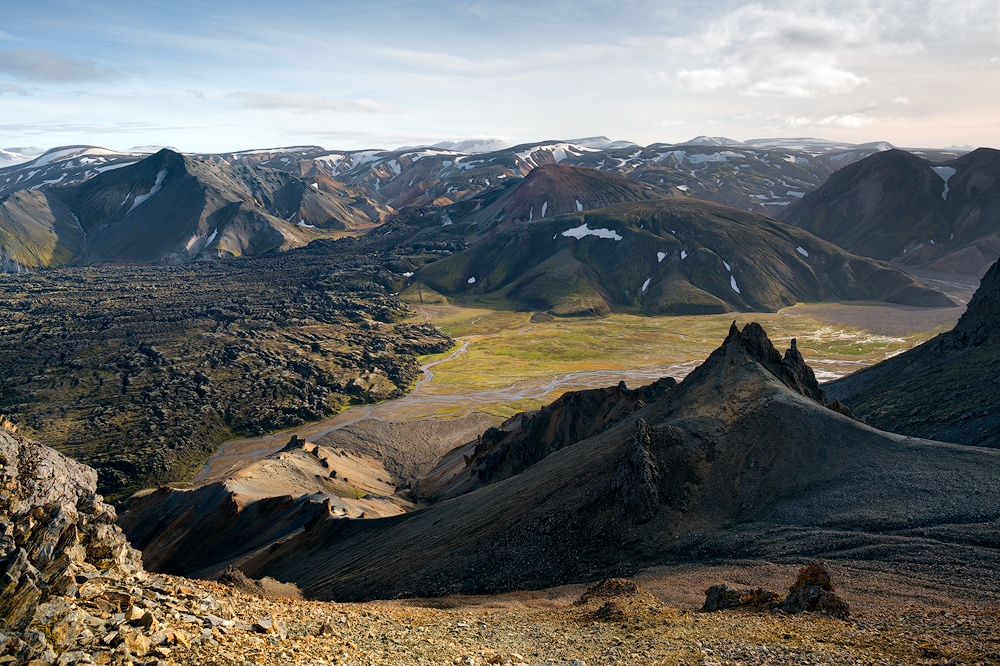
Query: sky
(221, 75)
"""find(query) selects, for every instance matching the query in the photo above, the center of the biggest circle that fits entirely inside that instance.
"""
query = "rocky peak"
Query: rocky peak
(791, 369)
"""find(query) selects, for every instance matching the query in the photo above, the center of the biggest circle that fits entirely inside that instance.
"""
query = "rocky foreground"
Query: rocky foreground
(72, 591)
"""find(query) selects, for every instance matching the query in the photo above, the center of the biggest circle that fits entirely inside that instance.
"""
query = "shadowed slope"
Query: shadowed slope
(898, 206)
(946, 388)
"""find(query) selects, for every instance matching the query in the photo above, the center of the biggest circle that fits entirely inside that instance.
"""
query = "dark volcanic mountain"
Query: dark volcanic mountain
(896, 206)
(668, 256)
(170, 208)
(733, 461)
(946, 388)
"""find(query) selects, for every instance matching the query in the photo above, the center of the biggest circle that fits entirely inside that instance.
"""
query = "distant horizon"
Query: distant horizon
(227, 76)
(38, 150)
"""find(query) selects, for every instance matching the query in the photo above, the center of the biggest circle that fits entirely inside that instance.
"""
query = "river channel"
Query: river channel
(424, 402)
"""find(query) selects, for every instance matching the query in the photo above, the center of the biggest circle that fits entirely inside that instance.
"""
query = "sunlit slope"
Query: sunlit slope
(37, 230)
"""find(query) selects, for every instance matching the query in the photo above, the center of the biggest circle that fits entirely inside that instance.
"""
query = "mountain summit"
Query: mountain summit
(170, 207)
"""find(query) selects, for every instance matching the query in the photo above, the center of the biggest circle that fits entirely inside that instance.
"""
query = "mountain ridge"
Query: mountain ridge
(169, 208)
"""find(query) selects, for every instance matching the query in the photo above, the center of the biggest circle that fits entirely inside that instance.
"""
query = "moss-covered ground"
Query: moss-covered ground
(508, 349)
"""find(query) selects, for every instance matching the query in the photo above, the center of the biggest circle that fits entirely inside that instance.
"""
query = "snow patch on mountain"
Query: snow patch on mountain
(583, 230)
(946, 173)
(157, 186)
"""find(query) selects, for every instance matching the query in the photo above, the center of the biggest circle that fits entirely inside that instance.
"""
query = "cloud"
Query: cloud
(42, 65)
(670, 122)
(994, 61)
(763, 52)
(847, 121)
(899, 99)
(72, 127)
(305, 103)
(11, 89)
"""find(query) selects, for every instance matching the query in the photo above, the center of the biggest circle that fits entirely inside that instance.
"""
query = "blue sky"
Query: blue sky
(216, 76)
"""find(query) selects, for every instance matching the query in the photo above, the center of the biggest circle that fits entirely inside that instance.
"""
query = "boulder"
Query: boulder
(811, 592)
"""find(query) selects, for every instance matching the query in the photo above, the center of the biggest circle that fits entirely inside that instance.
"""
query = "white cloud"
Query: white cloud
(670, 122)
(12, 89)
(759, 51)
(899, 99)
(304, 102)
(994, 61)
(847, 121)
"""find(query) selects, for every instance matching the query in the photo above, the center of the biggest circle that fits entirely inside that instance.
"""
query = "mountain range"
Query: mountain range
(761, 175)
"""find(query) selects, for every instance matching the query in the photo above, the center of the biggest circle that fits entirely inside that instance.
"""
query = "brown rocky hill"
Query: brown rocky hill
(897, 206)
(364, 470)
(946, 388)
(735, 461)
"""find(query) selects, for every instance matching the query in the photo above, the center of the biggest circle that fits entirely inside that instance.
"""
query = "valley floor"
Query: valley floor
(896, 619)
(506, 362)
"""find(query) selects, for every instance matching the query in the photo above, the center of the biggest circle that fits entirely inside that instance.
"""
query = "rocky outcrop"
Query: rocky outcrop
(637, 479)
(528, 437)
(812, 592)
(56, 535)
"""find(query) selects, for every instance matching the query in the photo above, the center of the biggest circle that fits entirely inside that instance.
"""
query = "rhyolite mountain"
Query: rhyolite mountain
(663, 256)
(896, 206)
(170, 208)
(947, 388)
(734, 461)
